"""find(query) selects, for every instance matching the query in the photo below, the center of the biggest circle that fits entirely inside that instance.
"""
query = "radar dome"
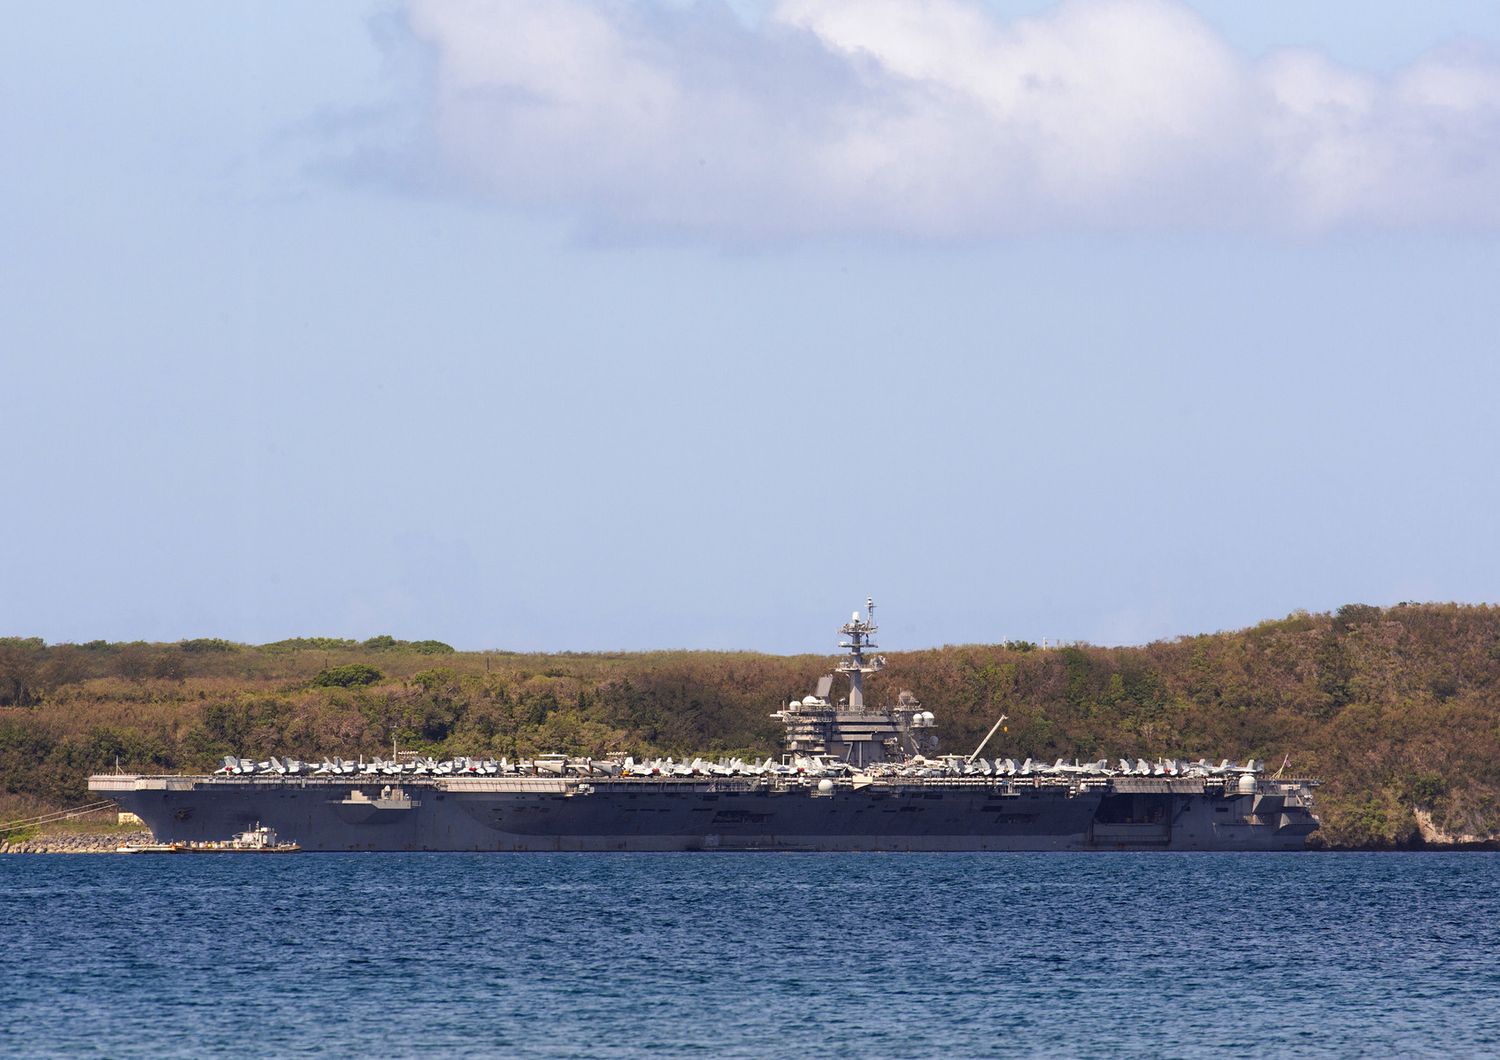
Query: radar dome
(927, 718)
(1247, 784)
(825, 787)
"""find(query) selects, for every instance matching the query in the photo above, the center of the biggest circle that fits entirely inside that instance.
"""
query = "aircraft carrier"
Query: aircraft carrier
(853, 777)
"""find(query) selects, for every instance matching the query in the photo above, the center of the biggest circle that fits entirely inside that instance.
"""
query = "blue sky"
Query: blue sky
(590, 326)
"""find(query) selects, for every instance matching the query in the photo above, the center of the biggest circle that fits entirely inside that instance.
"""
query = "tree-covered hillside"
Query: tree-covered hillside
(1397, 709)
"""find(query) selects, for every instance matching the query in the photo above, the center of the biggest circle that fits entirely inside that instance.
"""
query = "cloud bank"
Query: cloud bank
(939, 120)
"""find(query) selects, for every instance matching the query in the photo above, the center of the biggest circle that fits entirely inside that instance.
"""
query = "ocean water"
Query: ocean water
(751, 955)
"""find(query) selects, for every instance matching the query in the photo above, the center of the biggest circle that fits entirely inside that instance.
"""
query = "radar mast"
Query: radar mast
(859, 634)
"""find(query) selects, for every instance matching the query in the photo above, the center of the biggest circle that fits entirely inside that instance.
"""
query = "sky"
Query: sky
(577, 325)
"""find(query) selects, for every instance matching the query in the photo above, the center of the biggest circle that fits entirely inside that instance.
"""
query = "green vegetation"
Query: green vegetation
(386, 642)
(1395, 709)
(208, 644)
(350, 675)
(310, 644)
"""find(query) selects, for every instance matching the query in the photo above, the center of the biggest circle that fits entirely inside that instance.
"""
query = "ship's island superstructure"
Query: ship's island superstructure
(854, 777)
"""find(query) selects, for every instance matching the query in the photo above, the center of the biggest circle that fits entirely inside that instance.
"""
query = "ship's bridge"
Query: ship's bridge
(850, 730)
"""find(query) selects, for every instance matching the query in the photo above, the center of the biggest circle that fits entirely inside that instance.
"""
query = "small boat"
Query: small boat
(261, 839)
(150, 848)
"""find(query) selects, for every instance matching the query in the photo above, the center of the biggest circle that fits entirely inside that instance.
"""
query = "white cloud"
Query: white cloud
(936, 119)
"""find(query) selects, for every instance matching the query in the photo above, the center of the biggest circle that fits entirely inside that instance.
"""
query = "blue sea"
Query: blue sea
(751, 955)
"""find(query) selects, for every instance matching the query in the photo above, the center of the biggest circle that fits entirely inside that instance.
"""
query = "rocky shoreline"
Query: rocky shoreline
(74, 843)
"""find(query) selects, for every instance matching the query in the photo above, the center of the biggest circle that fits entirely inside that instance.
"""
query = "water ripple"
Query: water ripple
(729, 955)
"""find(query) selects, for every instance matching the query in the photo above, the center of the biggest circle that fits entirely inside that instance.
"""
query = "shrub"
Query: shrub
(206, 644)
(351, 675)
(310, 644)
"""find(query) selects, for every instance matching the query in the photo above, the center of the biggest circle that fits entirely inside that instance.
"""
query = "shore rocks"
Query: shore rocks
(78, 843)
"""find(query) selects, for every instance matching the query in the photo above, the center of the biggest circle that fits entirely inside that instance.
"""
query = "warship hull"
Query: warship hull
(648, 814)
(855, 777)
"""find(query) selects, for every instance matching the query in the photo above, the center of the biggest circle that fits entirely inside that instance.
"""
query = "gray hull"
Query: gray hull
(543, 814)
